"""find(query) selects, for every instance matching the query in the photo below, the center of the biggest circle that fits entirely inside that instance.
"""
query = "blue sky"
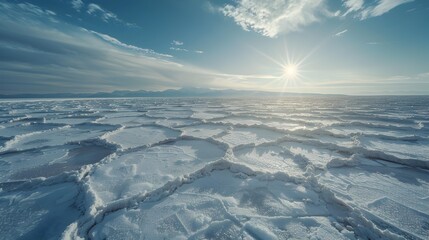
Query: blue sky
(319, 46)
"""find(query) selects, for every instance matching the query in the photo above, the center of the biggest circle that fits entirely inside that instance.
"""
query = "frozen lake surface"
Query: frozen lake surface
(314, 167)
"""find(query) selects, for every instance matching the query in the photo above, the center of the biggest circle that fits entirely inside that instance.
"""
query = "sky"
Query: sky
(357, 47)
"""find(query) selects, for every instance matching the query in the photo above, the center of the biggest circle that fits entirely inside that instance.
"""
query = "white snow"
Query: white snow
(225, 206)
(141, 171)
(140, 136)
(288, 168)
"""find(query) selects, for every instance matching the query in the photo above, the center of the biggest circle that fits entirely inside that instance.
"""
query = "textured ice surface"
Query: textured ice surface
(203, 130)
(393, 198)
(42, 213)
(140, 136)
(224, 205)
(138, 172)
(270, 158)
(188, 168)
(55, 136)
(46, 162)
(248, 135)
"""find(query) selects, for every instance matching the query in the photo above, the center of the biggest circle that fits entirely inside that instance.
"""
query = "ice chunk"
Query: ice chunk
(127, 121)
(385, 195)
(56, 136)
(405, 218)
(140, 136)
(242, 136)
(269, 159)
(141, 171)
(46, 162)
(203, 131)
(222, 206)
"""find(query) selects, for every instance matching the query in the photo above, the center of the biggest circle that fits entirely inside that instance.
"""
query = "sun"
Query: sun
(290, 71)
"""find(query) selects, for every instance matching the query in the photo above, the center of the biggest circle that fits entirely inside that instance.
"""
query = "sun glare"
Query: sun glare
(290, 71)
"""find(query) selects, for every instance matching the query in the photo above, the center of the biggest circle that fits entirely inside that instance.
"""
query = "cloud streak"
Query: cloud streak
(77, 4)
(273, 17)
(179, 49)
(381, 8)
(339, 34)
(105, 15)
(177, 46)
(94, 9)
(43, 57)
(116, 42)
(368, 9)
(353, 6)
(177, 43)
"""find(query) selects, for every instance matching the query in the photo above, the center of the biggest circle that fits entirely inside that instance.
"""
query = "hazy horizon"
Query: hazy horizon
(209, 92)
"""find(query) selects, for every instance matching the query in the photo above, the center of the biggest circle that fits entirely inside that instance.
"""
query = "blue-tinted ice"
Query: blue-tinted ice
(316, 167)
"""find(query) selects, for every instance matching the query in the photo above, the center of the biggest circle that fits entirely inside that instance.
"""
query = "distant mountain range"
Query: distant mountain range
(183, 92)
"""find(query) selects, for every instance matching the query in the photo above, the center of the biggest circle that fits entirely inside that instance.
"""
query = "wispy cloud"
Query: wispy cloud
(116, 42)
(352, 6)
(94, 9)
(271, 17)
(30, 14)
(77, 4)
(368, 9)
(176, 46)
(339, 34)
(382, 7)
(424, 75)
(44, 56)
(399, 78)
(177, 43)
(33, 9)
(179, 49)
(105, 15)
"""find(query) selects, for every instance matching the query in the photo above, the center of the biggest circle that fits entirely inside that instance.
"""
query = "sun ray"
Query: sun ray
(290, 72)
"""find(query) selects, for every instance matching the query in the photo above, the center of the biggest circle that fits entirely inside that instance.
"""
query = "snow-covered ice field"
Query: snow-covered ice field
(315, 167)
